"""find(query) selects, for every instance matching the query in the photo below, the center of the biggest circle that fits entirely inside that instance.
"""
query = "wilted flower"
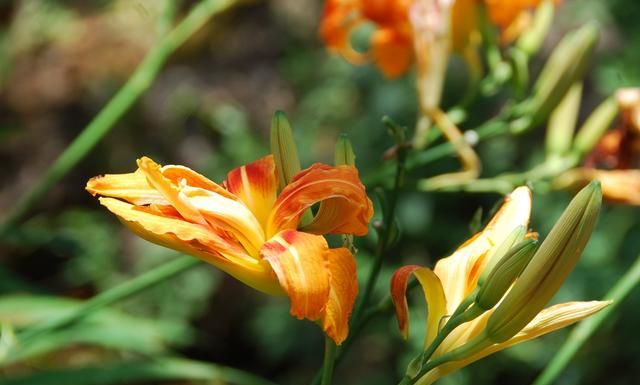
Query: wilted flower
(518, 317)
(615, 160)
(245, 228)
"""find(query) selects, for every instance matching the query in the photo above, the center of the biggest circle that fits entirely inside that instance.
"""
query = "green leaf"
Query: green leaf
(133, 371)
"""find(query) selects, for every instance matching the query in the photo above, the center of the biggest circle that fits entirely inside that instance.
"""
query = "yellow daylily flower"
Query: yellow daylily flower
(456, 277)
(245, 228)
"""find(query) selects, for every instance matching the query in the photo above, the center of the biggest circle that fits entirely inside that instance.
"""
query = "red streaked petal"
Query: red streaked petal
(300, 261)
(433, 293)
(256, 185)
(318, 183)
(343, 292)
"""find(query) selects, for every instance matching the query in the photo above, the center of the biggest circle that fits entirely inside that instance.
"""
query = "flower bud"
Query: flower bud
(565, 66)
(499, 252)
(595, 126)
(283, 148)
(531, 38)
(504, 273)
(562, 122)
(549, 267)
(344, 152)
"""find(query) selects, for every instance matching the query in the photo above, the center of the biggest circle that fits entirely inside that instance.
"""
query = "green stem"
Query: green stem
(106, 298)
(139, 82)
(487, 130)
(329, 361)
(586, 328)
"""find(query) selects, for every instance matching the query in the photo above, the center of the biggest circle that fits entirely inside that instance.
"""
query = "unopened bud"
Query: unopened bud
(565, 66)
(496, 255)
(549, 267)
(595, 126)
(505, 273)
(531, 38)
(283, 148)
(562, 122)
(344, 152)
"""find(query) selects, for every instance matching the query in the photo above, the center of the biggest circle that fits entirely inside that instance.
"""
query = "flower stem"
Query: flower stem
(137, 84)
(330, 349)
(587, 327)
(110, 296)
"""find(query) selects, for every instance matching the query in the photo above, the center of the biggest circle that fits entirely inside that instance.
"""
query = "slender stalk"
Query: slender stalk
(137, 84)
(360, 317)
(586, 328)
(106, 298)
(329, 361)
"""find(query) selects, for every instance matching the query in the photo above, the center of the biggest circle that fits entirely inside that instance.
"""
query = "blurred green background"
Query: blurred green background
(210, 109)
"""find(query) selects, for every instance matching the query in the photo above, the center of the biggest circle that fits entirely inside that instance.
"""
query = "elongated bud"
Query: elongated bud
(504, 273)
(283, 148)
(595, 126)
(499, 252)
(549, 267)
(565, 66)
(531, 38)
(344, 152)
(562, 122)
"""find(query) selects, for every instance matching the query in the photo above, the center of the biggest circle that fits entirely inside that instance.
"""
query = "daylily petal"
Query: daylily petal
(153, 224)
(317, 183)
(229, 214)
(620, 186)
(169, 190)
(433, 293)
(335, 29)
(300, 261)
(459, 272)
(256, 185)
(548, 320)
(342, 294)
(185, 175)
(132, 187)
(392, 51)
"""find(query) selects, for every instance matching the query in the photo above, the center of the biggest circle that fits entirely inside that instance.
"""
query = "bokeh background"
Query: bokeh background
(210, 109)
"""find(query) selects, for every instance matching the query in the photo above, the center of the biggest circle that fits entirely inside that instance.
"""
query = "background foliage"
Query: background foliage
(210, 109)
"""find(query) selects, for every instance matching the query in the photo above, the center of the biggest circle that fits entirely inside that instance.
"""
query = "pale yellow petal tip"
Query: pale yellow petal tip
(146, 163)
(93, 185)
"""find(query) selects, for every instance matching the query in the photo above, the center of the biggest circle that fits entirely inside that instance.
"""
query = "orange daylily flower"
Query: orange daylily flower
(245, 228)
(456, 277)
(392, 43)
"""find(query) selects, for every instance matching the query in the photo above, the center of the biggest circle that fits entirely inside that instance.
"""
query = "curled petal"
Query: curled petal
(169, 189)
(459, 272)
(548, 320)
(300, 261)
(433, 293)
(338, 20)
(163, 226)
(255, 184)
(342, 295)
(318, 183)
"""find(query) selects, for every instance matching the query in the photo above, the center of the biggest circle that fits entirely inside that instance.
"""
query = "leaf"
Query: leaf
(133, 371)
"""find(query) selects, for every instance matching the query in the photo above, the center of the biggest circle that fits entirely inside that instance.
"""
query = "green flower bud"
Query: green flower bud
(595, 125)
(498, 253)
(504, 273)
(549, 267)
(344, 152)
(283, 148)
(565, 66)
(562, 122)
(531, 38)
